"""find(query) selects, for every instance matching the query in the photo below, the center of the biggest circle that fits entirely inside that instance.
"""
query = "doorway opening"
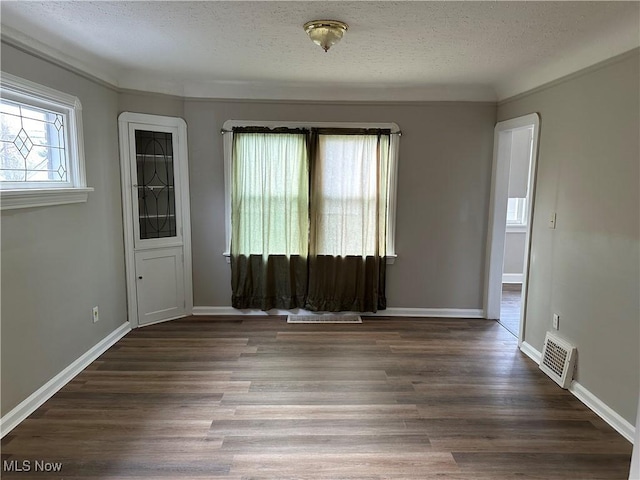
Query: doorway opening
(511, 212)
(511, 307)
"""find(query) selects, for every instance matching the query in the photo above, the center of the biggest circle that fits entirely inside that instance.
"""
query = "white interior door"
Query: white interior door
(156, 210)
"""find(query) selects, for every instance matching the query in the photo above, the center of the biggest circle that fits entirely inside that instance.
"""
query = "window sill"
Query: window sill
(516, 228)
(391, 259)
(12, 199)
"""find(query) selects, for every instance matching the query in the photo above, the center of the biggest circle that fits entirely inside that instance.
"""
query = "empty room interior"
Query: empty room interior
(330, 240)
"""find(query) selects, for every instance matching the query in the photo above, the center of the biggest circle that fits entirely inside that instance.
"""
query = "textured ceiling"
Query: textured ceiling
(401, 50)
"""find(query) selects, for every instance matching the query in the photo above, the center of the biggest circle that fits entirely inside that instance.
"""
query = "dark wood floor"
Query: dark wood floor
(510, 307)
(257, 398)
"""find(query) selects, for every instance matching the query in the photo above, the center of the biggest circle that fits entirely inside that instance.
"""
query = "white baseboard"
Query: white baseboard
(432, 312)
(44, 393)
(596, 405)
(623, 427)
(512, 277)
(389, 312)
(531, 352)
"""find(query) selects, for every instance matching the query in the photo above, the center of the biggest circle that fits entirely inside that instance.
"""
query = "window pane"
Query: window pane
(9, 108)
(270, 194)
(10, 123)
(39, 166)
(12, 164)
(516, 211)
(347, 188)
(32, 144)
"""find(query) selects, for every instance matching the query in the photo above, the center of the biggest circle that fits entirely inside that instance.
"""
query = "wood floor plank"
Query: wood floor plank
(528, 444)
(326, 386)
(546, 465)
(262, 428)
(355, 465)
(314, 444)
(171, 386)
(240, 398)
(325, 412)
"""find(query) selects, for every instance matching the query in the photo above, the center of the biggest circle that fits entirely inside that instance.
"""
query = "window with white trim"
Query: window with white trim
(517, 212)
(41, 150)
(391, 179)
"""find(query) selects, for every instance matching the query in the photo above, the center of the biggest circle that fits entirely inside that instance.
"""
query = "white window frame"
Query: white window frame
(520, 224)
(32, 194)
(393, 169)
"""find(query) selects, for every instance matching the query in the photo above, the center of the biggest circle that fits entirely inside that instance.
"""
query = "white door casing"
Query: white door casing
(498, 214)
(158, 270)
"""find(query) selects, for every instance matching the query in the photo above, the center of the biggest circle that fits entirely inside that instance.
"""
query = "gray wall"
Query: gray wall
(514, 252)
(58, 262)
(150, 103)
(588, 268)
(443, 193)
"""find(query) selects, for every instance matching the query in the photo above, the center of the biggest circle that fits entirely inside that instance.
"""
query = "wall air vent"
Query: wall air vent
(558, 359)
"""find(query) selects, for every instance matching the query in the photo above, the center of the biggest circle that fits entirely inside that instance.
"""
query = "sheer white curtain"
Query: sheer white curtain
(269, 220)
(350, 195)
(270, 196)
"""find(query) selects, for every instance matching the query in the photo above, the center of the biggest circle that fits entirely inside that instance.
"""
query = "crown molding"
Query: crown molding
(89, 70)
(582, 58)
(293, 91)
(574, 75)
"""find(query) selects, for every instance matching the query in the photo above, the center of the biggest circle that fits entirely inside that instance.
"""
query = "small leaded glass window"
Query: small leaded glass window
(40, 140)
(32, 144)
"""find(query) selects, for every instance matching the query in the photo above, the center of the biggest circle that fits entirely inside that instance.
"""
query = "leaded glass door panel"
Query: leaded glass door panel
(155, 184)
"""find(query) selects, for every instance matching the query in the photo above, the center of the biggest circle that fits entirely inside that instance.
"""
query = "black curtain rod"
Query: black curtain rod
(399, 133)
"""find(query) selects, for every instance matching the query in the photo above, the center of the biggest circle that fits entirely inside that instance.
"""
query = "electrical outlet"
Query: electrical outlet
(556, 321)
(95, 315)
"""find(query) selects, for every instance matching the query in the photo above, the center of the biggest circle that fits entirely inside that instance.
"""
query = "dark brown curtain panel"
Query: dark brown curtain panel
(349, 283)
(274, 281)
(348, 212)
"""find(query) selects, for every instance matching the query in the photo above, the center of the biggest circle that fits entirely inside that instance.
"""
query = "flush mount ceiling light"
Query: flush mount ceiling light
(325, 33)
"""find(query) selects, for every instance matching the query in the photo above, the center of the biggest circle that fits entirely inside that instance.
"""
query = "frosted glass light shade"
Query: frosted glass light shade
(325, 33)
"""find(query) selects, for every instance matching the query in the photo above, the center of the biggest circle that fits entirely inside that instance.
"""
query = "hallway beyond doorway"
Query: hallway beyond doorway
(510, 307)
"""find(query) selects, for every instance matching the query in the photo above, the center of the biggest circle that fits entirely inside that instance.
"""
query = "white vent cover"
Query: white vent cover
(558, 359)
(324, 318)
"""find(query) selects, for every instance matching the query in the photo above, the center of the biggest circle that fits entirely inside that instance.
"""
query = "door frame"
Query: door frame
(181, 162)
(498, 215)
